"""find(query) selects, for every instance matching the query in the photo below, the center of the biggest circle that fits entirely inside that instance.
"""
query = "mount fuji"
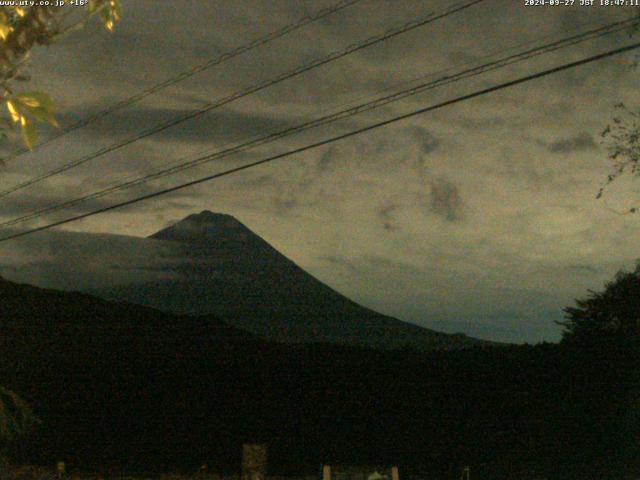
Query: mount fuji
(229, 271)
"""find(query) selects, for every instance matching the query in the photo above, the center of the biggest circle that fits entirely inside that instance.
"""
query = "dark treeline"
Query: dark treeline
(129, 388)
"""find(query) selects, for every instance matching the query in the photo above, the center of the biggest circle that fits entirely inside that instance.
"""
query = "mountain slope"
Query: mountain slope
(82, 324)
(112, 380)
(233, 273)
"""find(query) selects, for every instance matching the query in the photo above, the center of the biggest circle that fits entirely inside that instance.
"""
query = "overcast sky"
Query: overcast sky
(478, 218)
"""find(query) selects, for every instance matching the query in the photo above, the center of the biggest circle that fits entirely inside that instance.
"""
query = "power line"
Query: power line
(324, 120)
(395, 31)
(302, 22)
(327, 141)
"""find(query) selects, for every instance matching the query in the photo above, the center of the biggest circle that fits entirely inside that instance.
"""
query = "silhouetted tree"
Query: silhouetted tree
(608, 317)
(604, 331)
(621, 136)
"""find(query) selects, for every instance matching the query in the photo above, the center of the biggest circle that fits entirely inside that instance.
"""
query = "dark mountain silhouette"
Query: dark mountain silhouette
(236, 275)
(38, 311)
(111, 381)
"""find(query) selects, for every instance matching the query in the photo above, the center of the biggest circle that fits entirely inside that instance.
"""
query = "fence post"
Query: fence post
(394, 473)
(61, 469)
(254, 461)
(326, 472)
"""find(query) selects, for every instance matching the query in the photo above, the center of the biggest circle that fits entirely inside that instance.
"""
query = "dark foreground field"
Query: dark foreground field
(127, 389)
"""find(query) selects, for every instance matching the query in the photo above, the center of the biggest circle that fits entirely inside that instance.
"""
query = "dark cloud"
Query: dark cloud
(369, 264)
(255, 181)
(427, 141)
(291, 196)
(284, 204)
(76, 261)
(386, 215)
(584, 269)
(326, 160)
(580, 142)
(340, 261)
(471, 123)
(214, 126)
(28, 202)
(445, 200)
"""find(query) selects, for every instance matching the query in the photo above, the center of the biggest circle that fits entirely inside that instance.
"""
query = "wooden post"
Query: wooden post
(326, 472)
(394, 473)
(254, 461)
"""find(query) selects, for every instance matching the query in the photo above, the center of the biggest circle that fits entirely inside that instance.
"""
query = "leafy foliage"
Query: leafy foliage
(622, 140)
(21, 29)
(604, 329)
(110, 15)
(27, 107)
(608, 317)
(621, 137)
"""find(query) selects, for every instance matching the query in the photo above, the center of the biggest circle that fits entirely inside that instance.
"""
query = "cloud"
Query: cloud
(426, 139)
(386, 215)
(582, 269)
(340, 261)
(26, 202)
(326, 160)
(77, 261)
(445, 200)
(223, 124)
(578, 143)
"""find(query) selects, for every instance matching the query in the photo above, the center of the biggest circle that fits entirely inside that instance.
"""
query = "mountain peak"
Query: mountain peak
(205, 226)
(208, 215)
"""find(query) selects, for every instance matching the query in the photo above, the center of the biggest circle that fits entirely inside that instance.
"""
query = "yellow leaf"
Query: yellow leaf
(5, 30)
(20, 11)
(29, 132)
(116, 9)
(30, 102)
(35, 100)
(37, 104)
(15, 116)
(111, 13)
